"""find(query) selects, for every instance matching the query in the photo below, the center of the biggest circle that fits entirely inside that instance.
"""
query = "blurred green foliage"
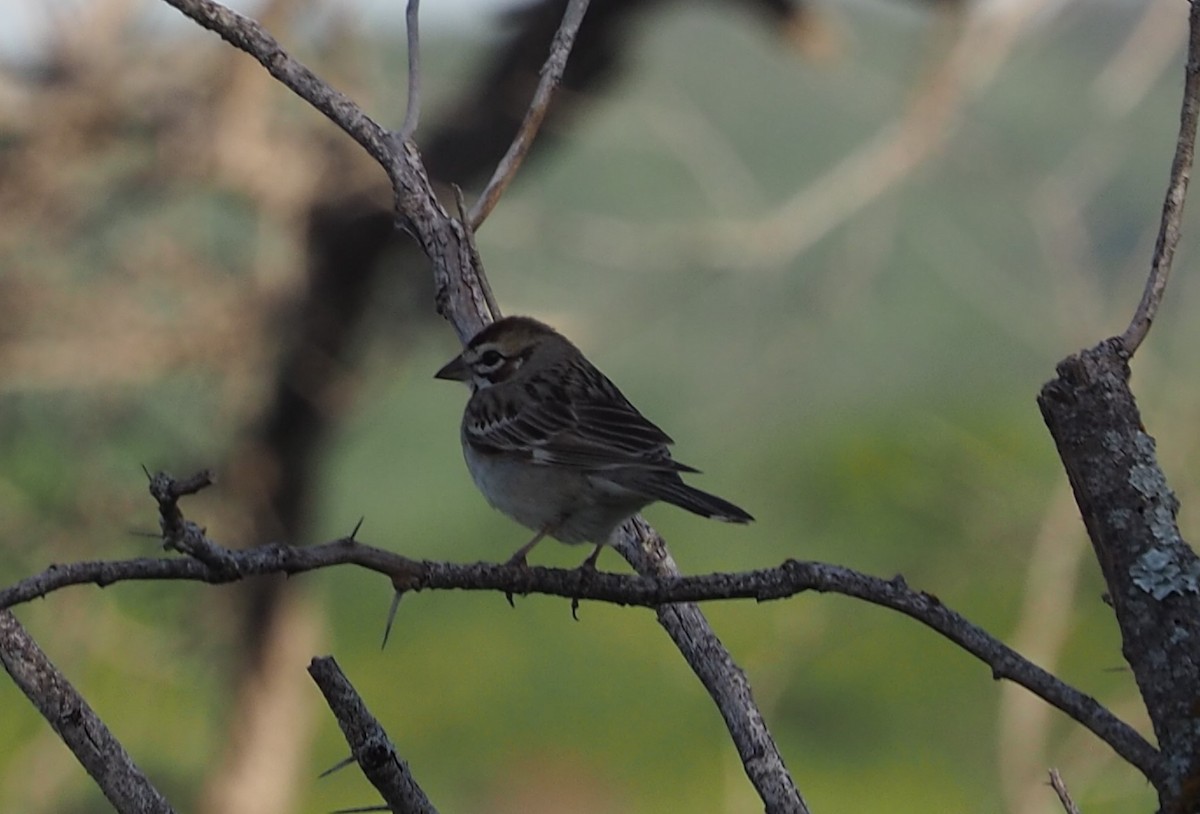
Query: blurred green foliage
(871, 401)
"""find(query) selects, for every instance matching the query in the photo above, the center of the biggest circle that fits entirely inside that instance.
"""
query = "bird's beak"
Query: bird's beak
(454, 370)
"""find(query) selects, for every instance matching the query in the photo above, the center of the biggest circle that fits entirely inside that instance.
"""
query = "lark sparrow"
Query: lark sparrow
(553, 444)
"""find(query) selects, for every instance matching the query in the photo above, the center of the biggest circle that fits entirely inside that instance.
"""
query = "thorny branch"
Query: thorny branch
(786, 580)
(76, 723)
(712, 663)
(369, 743)
(462, 298)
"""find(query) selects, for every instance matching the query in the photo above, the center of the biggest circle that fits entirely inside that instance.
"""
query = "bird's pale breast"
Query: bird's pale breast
(572, 505)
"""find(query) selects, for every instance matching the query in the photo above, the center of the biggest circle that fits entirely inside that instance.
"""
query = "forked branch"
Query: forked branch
(459, 278)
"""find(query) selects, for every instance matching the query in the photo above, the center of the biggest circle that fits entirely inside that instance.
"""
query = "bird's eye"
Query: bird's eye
(491, 358)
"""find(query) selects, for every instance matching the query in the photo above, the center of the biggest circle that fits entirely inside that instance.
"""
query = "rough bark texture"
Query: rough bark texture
(84, 734)
(369, 743)
(725, 681)
(1153, 576)
(660, 588)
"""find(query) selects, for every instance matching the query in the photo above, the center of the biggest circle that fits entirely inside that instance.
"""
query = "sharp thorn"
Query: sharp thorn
(341, 764)
(387, 630)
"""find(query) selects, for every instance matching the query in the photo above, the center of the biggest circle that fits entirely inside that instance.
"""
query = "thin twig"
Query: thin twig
(1172, 211)
(552, 73)
(412, 112)
(1064, 796)
(368, 741)
(786, 580)
(81, 730)
(247, 35)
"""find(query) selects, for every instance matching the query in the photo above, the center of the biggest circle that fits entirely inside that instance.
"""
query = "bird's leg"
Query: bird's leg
(519, 557)
(590, 563)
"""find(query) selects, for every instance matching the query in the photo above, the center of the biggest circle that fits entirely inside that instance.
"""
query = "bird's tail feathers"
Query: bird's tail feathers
(678, 493)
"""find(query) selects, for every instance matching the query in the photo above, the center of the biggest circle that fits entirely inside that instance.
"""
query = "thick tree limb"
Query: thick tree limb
(79, 727)
(369, 743)
(1153, 576)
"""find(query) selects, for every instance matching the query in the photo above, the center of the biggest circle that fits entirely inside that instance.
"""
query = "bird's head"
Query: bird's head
(508, 349)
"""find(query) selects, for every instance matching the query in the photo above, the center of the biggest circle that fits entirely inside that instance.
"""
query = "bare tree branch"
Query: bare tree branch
(663, 593)
(459, 278)
(412, 111)
(1064, 796)
(1172, 211)
(247, 35)
(462, 294)
(1152, 574)
(79, 727)
(552, 73)
(369, 743)
(713, 664)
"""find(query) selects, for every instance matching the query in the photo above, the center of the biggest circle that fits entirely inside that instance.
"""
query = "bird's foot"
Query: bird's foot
(586, 570)
(515, 561)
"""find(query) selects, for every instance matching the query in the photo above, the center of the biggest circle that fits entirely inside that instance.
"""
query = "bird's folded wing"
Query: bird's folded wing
(597, 436)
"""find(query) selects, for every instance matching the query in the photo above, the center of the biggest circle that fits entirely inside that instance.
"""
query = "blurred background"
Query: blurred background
(835, 250)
